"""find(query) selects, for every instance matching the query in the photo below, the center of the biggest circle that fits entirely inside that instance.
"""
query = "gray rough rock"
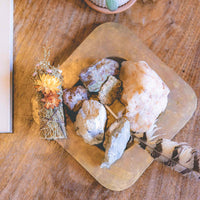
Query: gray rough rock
(116, 140)
(90, 122)
(94, 76)
(110, 90)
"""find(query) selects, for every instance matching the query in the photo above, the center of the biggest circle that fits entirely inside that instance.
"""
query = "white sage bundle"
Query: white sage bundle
(47, 81)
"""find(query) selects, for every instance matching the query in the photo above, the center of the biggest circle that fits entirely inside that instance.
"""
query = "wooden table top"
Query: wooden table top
(33, 168)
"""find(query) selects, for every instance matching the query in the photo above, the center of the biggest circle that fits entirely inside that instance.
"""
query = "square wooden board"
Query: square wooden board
(112, 39)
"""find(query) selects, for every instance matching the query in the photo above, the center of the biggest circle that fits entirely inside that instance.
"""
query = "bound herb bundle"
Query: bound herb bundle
(48, 84)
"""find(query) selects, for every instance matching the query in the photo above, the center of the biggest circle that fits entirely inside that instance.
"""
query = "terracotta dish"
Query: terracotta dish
(107, 11)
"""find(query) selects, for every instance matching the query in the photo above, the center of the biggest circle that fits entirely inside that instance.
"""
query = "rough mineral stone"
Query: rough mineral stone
(90, 122)
(144, 94)
(94, 76)
(74, 97)
(110, 90)
(116, 139)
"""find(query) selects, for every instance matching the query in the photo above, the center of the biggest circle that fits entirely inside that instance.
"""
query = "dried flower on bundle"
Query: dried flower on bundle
(51, 101)
(48, 84)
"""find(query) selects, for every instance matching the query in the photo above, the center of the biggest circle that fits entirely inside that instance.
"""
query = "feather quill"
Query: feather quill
(180, 156)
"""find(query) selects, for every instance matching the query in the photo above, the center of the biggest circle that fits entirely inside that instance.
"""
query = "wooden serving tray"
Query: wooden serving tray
(112, 39)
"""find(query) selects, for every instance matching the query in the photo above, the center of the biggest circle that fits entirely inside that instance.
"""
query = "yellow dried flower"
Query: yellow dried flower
(47, 84)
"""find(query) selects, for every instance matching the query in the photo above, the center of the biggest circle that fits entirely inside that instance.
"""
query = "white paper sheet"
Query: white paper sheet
(6, 65)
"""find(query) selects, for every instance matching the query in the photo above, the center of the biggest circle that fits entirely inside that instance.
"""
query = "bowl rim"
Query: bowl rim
(106, 11)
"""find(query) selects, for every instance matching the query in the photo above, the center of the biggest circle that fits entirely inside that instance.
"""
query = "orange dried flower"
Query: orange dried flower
(51, 101)
(47, 84)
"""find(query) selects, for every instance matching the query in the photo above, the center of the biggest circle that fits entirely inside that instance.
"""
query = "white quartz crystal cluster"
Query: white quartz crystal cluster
(144, 94)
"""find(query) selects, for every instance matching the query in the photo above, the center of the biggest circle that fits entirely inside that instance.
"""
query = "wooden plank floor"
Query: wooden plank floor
(32, 168)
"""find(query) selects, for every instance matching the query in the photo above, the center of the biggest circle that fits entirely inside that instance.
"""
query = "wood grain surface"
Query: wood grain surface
(32, 168)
